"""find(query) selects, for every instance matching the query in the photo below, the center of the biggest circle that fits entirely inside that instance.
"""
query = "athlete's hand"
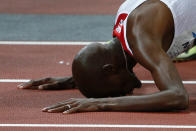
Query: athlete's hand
(49, 84)
(74, 105)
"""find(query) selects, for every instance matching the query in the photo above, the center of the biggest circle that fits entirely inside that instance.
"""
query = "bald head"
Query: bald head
(100, 70)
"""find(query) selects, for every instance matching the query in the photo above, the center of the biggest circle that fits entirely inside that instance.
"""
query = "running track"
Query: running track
(24, 106)
(21, 109)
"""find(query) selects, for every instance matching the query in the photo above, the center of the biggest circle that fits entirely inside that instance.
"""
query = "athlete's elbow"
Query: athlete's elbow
(180, 100)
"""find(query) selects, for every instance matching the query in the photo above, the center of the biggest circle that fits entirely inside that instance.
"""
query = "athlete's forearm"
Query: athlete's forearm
(66, 82)
(161, 101)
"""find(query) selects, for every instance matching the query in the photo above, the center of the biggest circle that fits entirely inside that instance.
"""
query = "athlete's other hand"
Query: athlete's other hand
(49, 84)
(74, 105)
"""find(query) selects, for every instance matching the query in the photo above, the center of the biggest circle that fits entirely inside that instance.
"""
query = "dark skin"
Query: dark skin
(150, 37)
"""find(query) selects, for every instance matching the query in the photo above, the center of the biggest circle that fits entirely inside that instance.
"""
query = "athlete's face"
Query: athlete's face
(122, 83)
(114, 85)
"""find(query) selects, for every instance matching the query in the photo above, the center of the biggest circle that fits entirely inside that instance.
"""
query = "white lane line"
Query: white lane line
(99, 125)
(59, 43)
(13, 80)
(46, 42)
(26, 80)
(152, 82)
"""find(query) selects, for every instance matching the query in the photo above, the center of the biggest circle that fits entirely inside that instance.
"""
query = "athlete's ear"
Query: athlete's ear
(109, 69)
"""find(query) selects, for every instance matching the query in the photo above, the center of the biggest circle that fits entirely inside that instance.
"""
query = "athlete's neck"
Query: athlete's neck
(116, 48)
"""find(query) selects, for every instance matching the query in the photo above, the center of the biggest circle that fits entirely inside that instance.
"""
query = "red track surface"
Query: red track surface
(24, 106)
(24, 62)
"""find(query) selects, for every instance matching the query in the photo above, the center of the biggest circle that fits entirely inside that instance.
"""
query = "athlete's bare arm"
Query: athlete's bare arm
(150, 32)
(148, 38)
(49, 84)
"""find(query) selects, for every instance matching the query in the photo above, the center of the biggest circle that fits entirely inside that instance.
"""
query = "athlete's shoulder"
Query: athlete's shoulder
(152, 17)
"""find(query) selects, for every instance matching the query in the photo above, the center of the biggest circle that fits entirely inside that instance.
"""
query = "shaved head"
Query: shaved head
(98, 72)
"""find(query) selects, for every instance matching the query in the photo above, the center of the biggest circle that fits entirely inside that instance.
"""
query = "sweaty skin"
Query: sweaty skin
(150, 37)
(150, 30)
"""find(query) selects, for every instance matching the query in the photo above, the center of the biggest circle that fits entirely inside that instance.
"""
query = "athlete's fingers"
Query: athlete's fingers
(52, 107)
(51, 86)
(67, 102)
(58, 109)
(72, 110)
(33, 83)
(33, 87)
(24, 85)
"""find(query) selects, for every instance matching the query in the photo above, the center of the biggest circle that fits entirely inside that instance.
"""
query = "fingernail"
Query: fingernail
(65, 112)
(40, 87)
(44, 109)
(50, 111)
(20, 86)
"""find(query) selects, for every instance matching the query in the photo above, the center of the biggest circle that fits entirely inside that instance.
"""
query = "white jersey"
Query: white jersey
(184, 16)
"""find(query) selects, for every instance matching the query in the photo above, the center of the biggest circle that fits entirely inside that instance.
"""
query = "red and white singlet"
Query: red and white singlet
(184, 16)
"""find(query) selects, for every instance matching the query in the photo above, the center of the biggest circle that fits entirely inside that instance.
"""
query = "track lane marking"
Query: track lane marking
(100, 126)
(79, 125)
(26, 80)
(59, 43)
(47, 42)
